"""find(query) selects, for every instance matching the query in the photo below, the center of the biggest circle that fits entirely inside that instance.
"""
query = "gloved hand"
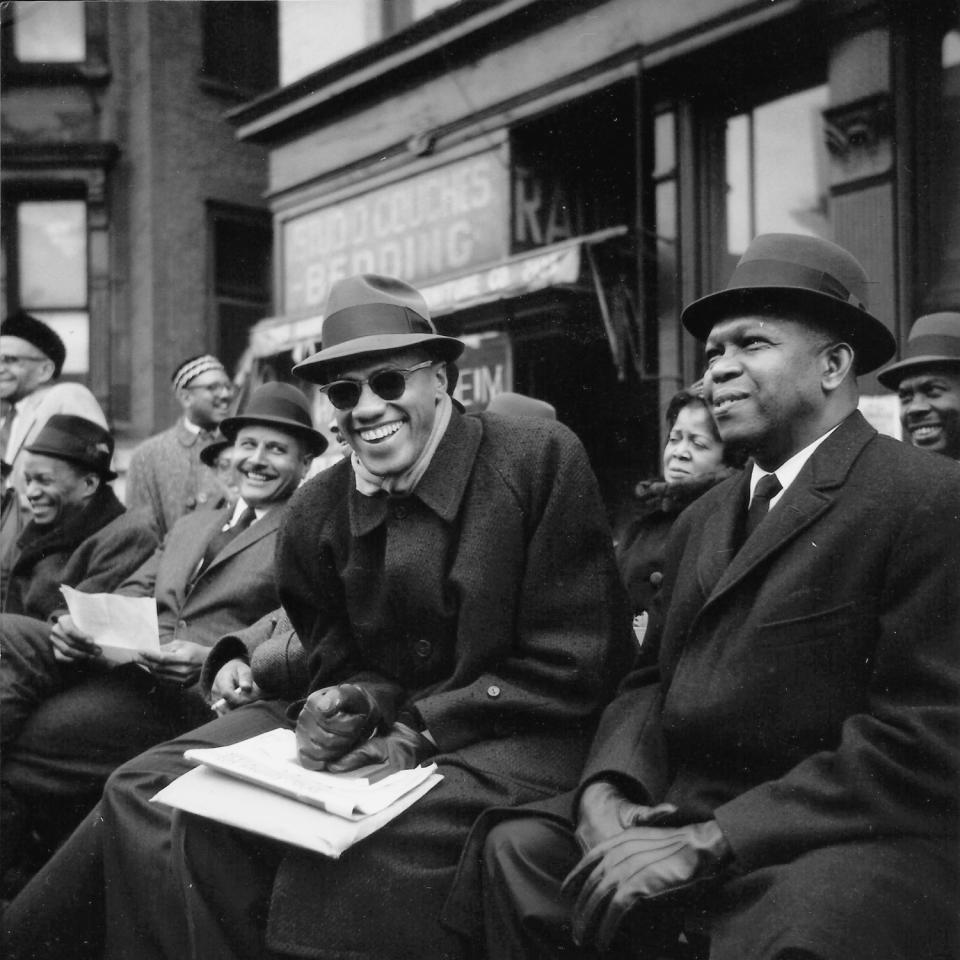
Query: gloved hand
(640, 864)
(402, 748)
(605, 813)
(332, 721)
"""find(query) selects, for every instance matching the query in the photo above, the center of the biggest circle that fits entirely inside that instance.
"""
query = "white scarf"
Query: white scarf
(369, 483)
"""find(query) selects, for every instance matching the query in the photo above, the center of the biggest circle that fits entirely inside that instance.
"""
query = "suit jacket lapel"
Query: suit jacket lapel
(808, 497)
(720, 534)
(256, 531)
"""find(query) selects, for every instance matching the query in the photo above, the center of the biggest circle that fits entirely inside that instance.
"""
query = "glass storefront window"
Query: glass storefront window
(49, 32)
(776, 168)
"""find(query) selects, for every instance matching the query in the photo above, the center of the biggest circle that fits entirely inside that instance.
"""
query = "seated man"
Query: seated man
(454, 587)
(212, 574)
(784, 782)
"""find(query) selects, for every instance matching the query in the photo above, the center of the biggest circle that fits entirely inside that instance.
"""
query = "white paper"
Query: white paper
(270, 759)
(250, 807)
(121, 626)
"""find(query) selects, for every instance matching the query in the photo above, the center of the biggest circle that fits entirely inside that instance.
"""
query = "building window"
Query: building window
(45, 271)
(241, 242)
(49, 32)
(776, 170)
(240, 47)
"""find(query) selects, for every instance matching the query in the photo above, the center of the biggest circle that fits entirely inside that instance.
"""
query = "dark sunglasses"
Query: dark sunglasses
(386, 384)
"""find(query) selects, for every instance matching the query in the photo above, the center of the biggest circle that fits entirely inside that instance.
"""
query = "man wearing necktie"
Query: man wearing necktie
(212, 575)
(782, 785)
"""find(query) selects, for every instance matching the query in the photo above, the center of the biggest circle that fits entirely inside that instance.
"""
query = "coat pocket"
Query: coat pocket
(843, 624)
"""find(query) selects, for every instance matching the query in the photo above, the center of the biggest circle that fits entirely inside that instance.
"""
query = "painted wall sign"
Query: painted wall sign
(439, 222)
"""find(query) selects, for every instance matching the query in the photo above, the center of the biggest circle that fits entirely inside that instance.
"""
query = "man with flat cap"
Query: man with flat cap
(927, 379)
(167, 477)
(213, 574)
(31, 360)
(783, 782)
(453, 585)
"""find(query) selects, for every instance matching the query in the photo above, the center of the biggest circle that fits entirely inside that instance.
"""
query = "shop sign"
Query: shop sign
(486, 369)
(510, 278)
(444, 221)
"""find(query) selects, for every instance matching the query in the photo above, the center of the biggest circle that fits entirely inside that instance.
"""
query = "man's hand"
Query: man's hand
(233, 686)
(71, 645)
(401, 748)
(332, 721)
(179, 661)
(639, 864)
(605, 813)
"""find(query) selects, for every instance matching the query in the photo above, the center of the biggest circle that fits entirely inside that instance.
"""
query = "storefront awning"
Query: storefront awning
(556, 265)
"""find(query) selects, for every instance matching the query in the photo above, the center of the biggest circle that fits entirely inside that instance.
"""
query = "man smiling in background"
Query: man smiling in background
(927, 380)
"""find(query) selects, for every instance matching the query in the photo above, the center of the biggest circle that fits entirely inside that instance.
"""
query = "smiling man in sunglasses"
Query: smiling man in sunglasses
(453, 585)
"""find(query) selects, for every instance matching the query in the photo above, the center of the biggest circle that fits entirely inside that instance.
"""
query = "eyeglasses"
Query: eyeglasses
(386, 384)
(211, 387)
(12, 359)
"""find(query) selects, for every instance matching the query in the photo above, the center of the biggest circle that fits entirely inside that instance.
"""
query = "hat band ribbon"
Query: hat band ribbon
(934, 344)
(782, 273)
(371, 320)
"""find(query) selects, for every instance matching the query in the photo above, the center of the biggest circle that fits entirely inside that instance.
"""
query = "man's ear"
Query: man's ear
(838, 363)
(91, 484)
(441, 375)
(45, 372)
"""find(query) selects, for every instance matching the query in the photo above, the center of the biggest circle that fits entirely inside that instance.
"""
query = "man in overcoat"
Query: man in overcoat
(454, 586)
(213, 574)
(783, 783)
(167, 477)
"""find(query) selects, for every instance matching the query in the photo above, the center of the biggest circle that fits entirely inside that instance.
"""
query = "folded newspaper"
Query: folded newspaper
(258, 785)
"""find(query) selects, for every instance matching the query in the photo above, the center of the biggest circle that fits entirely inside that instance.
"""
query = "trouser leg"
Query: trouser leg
(59, 915)
(226, 876)
(28, 671)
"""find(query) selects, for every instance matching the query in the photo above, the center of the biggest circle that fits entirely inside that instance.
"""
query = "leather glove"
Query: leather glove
(642, 863)
(332, 721)
(605, 813)
(401, 748)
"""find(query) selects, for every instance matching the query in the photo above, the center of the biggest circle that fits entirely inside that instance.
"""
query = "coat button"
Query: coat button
(400, 512)
(181, 624)
(493, 690)
(202, 498)
(190, 503)
(656, 578)
(423, 649)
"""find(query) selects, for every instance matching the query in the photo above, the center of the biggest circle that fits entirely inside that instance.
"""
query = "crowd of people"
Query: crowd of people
(727, 728)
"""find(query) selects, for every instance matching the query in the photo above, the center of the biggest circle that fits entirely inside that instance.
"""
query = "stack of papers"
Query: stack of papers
(259, 785)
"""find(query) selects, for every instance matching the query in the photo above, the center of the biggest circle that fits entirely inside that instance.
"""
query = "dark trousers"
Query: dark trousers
(108, 891)
(886, 899)
(66, 727)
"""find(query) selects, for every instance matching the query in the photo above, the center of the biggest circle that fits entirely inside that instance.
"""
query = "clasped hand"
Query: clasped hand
(333, 720)
(179, 661)
(640, 863)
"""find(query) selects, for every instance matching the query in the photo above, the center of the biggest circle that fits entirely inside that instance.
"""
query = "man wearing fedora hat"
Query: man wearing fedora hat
(927, 379)
(783, 782)
(79, 535)
(453, 585)
(213, 574)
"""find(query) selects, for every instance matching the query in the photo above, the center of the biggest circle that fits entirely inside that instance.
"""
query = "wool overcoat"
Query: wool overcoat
(489, 601)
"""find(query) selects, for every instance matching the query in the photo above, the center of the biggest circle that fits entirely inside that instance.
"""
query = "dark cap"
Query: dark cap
(934, 340)
(369, 314)
(27, 327)
(808, 275)
(211, 452)
(282, 406)
(77, 440)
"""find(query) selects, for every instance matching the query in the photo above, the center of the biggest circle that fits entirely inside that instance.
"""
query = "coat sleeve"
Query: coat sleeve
(142, 491)
(895, 768)
(572, 639)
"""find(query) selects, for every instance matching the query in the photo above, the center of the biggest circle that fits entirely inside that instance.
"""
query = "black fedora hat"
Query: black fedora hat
(934, 340)
(279, 405)
(76, 440)
(800, 273)
(212, 451)
(368, 313)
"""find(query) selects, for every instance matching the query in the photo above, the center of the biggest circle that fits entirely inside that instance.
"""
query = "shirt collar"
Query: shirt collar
(241, 506)
(787, 472)
(441, 488)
